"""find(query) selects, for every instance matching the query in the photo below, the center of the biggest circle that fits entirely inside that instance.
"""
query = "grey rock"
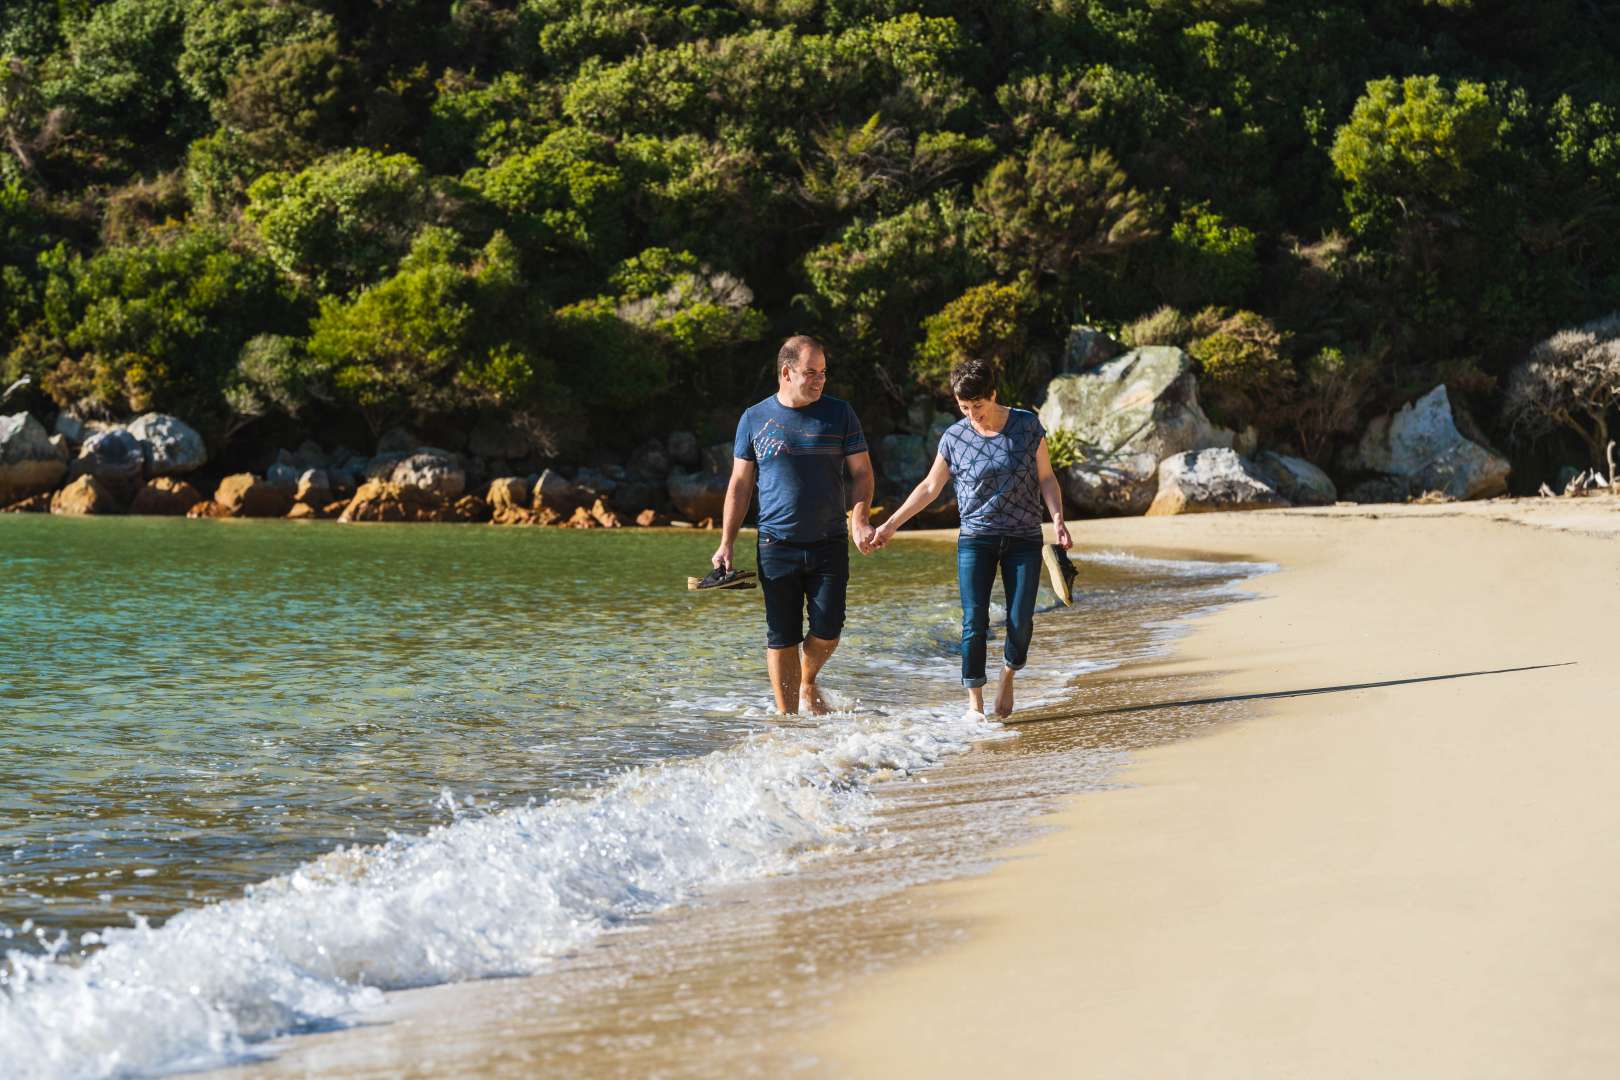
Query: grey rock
(682, 448)
(1111, 485)
(649, 461)
(314, 487)
(1086, 348)
(1143, 401)
(1211, 480)
(1296, 479)
(903, 460)
(717, 458)
(595, 483)
(435, 472)
(169, 445)
(508, 493)
(29, 463)
(396, 441)
(70, 427)
(311, 456)
(698, 495)
(1380, 489)
(115, 459)
(64, 449)
(381, 466)
(283, 476)
(1421, 445)
(553, 489)
(634, 496)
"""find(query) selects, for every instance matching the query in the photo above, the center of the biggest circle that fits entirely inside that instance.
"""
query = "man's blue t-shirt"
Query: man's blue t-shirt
(800, 454)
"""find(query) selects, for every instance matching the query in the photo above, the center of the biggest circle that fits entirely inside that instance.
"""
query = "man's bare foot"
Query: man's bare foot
(1004, 696)
(812, 701)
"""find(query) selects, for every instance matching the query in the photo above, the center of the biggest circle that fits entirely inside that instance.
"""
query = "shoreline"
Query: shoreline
(1386, 868)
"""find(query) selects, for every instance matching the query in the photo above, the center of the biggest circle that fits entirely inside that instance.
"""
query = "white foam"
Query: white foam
(1182, 568)
(483, 896)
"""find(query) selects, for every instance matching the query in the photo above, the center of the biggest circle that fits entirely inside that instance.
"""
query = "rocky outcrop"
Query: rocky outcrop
(508, 493)
(114, 458)
(1203, 481)
(165, 496)
(85, 495)
(554, 490)
(434, 472)
(314, 488)
(1122, 412)
(379, 500)
(246, 495)
(698, 495)
(1421, 450)
(1296, 479)
(29, 464)
(1111, 485)
(169, 446)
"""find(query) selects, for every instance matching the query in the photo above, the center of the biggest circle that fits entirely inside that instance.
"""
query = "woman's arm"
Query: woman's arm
(921, 496)
(1052, 494)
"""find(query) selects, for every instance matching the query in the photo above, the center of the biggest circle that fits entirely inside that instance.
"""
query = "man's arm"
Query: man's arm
(739, 493)
(860, 470)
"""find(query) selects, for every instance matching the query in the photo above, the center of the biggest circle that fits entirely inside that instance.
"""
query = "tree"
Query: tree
(988, 322)
(121, 83)
(1570, 381)
(223, 36)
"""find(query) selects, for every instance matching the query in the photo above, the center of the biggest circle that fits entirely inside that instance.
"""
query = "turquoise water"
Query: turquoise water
(258, 772)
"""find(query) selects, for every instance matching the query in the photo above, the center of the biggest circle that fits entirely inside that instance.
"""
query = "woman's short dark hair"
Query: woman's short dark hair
(973, 379)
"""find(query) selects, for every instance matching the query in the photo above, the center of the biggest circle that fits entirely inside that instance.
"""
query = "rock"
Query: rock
(114, 457)
(1296, 479)
(283, 475)
(302, 512)
(513, 515)
(1143, 401)
(1202, 481)
(554, 490)
(545, 515)
(380, 500)
(1420, 444)
(34, 504)
(604, 515)
(469, 509)
(166, 497)
(508, 492)
(698, 494)
(169, 445)
(648, 461)
(63, 448)
(1086, 348)
(29, 464)
(682, 449)
(650, 519)
(335, 508)
(902, 461)
(632, 496)
(397, 441)
(208, 508)
(311, 456)
(496, 437)
(1380, 489)
(86, 495)
(717, 458)
(245, 495)
(314, 487)
(1111, 485)
(591, 483)
(435, 472)
(582, 519)
(70, 427)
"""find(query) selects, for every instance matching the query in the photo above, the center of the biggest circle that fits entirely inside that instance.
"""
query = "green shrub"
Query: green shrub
(988, 322)
(1242, 368)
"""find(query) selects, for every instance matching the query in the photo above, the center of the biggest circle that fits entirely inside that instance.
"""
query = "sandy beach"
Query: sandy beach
(1402, 864)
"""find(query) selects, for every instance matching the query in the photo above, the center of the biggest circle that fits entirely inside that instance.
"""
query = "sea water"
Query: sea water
(259, 773)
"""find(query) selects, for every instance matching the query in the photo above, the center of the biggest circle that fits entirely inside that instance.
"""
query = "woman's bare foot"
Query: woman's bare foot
(976, 700)
(812, 701)
(1004, 696)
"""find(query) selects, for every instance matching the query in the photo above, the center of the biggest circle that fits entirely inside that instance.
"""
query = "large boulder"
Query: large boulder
(649, 461)
(379, 500)
(114, 457)
(245, 495)
(717, 458)
(1420, 447)
(1086, 348)
(314, 488)
(169, 446)
(283, 475)
(1111, 485)
(86, 495)
(434, 472)
(1202, 481)
(165, 496)
(29, 464)
(698, 495)
(1296, 479)
(508, 493)
(682, 449)
(553, 489)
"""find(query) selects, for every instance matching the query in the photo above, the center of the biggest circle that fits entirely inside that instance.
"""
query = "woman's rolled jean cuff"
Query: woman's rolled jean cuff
(973, 684)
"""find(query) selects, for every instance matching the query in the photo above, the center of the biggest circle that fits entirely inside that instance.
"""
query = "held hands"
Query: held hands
(864, 536)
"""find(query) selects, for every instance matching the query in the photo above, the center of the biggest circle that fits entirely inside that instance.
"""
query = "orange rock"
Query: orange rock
(582, 519)
(245, 495)
(335, 508)
(34, 504)
(469, 508)
(545, 515)
(165, 496)
(86, 495)
(303, 512)
(208, 508)
(513, 515)
(604, 515)
(706, 523)
(379, 500)
(649, 518)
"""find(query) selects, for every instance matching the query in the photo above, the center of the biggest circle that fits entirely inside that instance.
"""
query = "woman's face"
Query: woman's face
(981, 412)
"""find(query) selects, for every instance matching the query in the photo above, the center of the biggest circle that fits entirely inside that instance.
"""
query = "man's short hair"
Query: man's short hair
(794, 349)
(973, 379)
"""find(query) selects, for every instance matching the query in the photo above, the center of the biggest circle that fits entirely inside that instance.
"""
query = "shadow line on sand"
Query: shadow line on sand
(1187, 702)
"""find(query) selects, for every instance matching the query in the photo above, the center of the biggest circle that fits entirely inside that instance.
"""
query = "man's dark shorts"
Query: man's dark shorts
(801, 578)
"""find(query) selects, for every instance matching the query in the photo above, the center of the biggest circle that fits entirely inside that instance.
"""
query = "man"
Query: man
(796, 443)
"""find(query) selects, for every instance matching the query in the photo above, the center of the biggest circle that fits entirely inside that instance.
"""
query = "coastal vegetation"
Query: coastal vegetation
(588, 219)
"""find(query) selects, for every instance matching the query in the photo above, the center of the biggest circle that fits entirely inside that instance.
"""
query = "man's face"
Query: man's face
(808, 377)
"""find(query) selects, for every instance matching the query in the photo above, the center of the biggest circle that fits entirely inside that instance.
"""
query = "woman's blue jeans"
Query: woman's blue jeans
(977, 560)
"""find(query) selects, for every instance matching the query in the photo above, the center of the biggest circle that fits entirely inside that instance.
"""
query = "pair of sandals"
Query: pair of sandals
(722, 579)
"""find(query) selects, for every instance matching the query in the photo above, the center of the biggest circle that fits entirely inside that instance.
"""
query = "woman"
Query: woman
(996, 456)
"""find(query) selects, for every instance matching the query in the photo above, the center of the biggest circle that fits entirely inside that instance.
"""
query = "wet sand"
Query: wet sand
(1400, 864)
